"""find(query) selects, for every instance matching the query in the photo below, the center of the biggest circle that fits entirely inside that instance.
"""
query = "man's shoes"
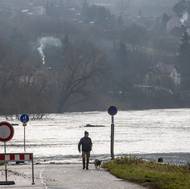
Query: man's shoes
(86, 168)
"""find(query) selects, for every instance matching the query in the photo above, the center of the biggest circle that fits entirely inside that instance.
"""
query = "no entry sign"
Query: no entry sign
(6, 131)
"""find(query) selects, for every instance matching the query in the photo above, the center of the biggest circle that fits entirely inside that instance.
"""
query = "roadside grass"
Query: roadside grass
(151, 174)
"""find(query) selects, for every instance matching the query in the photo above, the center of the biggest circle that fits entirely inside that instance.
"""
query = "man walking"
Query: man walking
(86, 144)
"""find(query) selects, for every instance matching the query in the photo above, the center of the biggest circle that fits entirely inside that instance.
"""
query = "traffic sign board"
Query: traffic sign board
(112, 110)
(6, 131)
(24, 118)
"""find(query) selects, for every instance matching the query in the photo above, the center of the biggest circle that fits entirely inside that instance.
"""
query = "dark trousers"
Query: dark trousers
(85, 159)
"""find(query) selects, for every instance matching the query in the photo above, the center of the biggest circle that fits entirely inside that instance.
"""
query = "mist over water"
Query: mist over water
(149, 131)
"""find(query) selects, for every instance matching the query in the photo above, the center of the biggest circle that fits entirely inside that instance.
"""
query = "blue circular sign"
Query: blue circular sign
(24, 118)
(112, 110)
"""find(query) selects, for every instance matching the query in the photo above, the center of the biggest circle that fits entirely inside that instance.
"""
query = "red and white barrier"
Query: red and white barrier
(16, 157)
(6, 157)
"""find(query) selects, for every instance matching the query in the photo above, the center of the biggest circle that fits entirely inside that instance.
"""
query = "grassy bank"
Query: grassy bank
(152, 174)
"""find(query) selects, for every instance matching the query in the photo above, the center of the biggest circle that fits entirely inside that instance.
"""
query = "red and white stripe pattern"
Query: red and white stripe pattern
(16, 157)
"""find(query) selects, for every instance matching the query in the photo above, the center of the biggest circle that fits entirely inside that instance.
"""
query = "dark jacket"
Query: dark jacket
(86, 144)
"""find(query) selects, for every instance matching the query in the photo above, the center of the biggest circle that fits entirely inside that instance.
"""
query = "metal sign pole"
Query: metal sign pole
(24, 118)
(24, 138)
(112, 137)
(33, 170)
(6, 134)
(112, 110)
(5, 151)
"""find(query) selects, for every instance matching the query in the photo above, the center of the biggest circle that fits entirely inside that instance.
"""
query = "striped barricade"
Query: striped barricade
(6, 157)
(16, 157)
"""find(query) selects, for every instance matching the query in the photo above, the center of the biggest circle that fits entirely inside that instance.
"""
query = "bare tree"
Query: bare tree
(82, 65)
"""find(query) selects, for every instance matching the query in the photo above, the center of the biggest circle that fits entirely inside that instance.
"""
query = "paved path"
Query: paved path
(63, 177)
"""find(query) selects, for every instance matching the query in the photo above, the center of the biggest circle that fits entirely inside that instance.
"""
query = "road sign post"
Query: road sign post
(24, 118)
(112, 110)
(5, 162)
(6, 134)
(24, 137)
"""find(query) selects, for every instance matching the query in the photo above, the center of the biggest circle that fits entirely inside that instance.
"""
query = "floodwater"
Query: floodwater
(136, 132)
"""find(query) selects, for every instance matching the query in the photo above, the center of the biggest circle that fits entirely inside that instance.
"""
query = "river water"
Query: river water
(136, 132)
